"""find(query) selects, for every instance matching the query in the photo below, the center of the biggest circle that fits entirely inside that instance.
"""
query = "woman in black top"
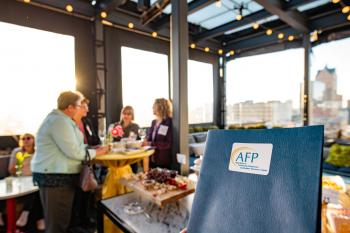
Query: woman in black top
(130, 128)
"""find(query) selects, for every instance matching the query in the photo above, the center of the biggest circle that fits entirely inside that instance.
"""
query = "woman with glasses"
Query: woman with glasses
(83, 122)
(20, 164)
(130, 128)
(83, 211)
(56, 165)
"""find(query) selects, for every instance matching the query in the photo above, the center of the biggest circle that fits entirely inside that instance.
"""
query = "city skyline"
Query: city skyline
(270, 76)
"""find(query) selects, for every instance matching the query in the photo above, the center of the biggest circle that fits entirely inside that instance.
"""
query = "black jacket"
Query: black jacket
(90, 133)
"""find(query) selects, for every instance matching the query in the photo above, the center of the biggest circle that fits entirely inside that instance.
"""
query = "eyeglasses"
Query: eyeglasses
(26, 138)
(126, 113)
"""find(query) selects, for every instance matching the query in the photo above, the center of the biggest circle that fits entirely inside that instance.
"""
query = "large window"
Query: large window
(330, 87)
(35, 67)
(145, 78)
(200, 92)
(265, 89)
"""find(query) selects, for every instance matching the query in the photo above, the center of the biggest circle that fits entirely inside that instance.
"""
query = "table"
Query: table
(118, 166)
(21, 186)
(329, 210)
(172, 218)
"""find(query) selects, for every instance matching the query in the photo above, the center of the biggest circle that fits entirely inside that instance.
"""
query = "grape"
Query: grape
(161, 175)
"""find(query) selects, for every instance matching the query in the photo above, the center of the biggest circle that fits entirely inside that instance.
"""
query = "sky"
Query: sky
(35, 66)
(277, 76)
(143, 85)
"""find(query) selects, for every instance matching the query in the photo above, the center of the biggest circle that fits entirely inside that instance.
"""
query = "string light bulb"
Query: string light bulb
(345, 9)
(239, 17)
(291, 38)
(232, 52)
(348, 17)
(130, 25)
(220, 51)
(26, 1)
(335, 1)
(280, 35)
(154, 34)
(69, 8)
(103, 14)
(269, 32)
(193, 46)
(218, 3)
(314, 36)
(255, 26)
(206, 49)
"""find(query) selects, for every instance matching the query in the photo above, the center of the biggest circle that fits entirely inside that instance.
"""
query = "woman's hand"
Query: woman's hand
(146, 143)
(184, 231)
(102, 150)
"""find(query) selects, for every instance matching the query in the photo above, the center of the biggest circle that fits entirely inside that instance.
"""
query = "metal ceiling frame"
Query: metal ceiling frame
(154, 11)
(193, 7)
(325, 21)
(292, 17)
(325, 17)
(249, 19)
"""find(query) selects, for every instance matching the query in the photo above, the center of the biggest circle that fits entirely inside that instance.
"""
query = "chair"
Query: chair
(4, 162)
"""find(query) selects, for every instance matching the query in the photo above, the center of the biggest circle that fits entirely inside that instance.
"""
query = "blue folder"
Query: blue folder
(283, 198)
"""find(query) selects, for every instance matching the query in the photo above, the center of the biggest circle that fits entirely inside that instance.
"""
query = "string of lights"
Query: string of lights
(239, 16)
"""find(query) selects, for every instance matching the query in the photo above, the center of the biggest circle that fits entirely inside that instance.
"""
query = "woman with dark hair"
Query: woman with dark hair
(20, 164)
(160, 135)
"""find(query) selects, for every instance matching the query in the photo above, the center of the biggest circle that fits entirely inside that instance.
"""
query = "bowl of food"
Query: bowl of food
(134, 144)
(117, 147)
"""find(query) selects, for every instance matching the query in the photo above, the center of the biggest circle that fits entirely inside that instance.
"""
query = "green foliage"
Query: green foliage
(235, 127)
(339, 155)
(248, 126)
(198, 129)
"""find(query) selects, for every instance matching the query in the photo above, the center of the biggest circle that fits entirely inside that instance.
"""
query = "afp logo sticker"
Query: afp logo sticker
(254, 158)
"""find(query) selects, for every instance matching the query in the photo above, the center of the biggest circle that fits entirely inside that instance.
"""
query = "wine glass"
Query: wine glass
(102, 136)
(142, 133)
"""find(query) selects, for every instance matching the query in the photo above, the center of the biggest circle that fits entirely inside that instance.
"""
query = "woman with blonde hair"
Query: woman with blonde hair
(160, 135)
(127, 117)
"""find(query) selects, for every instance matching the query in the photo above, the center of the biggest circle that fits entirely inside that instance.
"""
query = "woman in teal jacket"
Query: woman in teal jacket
(57, 161)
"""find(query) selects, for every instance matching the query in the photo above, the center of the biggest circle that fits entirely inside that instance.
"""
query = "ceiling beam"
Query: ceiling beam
(251, 32)
(143, 5)
(262, 14)
(154, 11)
(292, 17)
(193, 7)
(312, 14)
(197, 5)
(260, 39)
(110, 5)
(247, 20)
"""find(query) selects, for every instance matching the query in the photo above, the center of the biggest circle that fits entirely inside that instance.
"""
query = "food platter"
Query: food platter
(161, 190)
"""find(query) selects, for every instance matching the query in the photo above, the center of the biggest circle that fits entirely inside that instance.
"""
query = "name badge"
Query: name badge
(163, 129)
(253, 158)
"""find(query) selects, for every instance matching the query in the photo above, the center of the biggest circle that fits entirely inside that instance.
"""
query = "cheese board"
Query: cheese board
(159, 186)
